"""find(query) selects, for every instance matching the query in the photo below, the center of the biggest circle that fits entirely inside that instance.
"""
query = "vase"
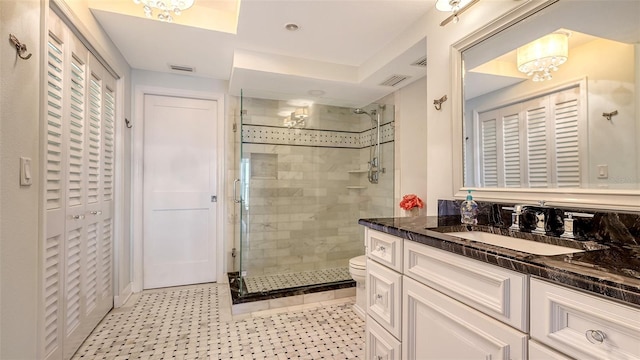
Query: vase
(413, 212)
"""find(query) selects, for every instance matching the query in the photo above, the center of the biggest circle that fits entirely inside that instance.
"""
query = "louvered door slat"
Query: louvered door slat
(106, 260)
(511, 141)
(94, 140)
(92, 267)
(489, 153)
(51, 294)
(76, 132)
(567, 145)
(73, 282)
(109, 136)
(54, 123)
(537, 147)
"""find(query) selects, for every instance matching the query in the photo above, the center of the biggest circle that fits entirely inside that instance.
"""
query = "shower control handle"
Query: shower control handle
(235, 191)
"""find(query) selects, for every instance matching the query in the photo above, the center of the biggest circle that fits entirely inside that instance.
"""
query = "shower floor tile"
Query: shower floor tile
(193, 323)
(265, 283)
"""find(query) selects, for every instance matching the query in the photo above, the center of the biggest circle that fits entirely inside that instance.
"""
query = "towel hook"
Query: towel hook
(20, 48)
(610, 114)
(127, 123)
(438, 102)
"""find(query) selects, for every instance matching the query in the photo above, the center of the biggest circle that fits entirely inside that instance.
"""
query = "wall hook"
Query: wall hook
(20, 48)
(609, 115)
(127, 123)
(438, 103)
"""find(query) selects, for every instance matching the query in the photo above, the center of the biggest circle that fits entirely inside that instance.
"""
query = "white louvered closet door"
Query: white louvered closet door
(533, 144)
(77, 254)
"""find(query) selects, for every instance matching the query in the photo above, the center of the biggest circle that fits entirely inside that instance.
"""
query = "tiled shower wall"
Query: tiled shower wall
(305, 195)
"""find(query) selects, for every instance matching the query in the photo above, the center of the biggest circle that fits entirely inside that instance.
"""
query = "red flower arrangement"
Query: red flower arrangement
(410, 201)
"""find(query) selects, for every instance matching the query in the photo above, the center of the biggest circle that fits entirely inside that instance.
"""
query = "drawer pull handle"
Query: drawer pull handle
(378, 296)
(77, 217)
(382, 249)
(595, 336)
(379, 357)
(99, 212)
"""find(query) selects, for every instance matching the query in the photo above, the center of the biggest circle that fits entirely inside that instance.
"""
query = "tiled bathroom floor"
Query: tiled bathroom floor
(264, 283)
(195, 322)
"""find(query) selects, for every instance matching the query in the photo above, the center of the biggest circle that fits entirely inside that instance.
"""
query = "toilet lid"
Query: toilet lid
(358, 262)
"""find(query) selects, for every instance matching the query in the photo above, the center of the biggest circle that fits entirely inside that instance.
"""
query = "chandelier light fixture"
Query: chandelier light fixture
(167, 9)
(456, 7)
(543, 56)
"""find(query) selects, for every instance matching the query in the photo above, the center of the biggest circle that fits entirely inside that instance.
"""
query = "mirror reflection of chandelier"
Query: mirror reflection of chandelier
(542, 56)
(167, 8)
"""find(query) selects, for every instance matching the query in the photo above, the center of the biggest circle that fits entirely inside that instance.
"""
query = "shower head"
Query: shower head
(359, 111)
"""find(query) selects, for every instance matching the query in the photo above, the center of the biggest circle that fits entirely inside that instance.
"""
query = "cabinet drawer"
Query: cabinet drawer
(380, 345)
(541, 352)
(384, 297)
(495, 291)
(583, 326)
(385, 249)
(437, 327)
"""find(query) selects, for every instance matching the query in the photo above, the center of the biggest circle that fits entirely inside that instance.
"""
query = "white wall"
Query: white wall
(20, 103)
(411, 141)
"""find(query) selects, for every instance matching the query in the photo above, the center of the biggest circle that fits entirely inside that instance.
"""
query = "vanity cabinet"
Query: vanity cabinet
(435, 326)
(581, 325)
(494, 291)
(384, 296)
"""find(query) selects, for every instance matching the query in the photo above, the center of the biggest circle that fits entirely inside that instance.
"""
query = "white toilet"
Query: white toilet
(358, 272)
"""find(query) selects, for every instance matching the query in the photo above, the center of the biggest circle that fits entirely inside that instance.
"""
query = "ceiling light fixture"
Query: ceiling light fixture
(542, 56)
(292, 27)
(456, 7)
(167, 8)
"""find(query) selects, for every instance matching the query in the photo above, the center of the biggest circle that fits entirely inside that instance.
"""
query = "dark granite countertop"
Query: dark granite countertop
(611, 270)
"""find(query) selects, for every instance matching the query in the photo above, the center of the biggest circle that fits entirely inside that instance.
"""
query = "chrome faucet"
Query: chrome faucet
(520, 209)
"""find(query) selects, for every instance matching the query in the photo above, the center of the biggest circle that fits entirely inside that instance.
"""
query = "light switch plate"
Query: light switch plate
(25, 172)
(603, 171)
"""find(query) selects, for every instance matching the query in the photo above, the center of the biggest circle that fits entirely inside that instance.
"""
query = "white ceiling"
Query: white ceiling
(336, 38)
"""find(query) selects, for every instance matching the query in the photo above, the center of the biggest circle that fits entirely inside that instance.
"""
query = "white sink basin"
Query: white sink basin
(528, 246)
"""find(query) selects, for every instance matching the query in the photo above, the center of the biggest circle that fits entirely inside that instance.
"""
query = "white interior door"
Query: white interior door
(179, 186)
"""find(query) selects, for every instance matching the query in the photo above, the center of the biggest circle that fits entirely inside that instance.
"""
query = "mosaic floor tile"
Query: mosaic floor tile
(186, 324)
(264, 283)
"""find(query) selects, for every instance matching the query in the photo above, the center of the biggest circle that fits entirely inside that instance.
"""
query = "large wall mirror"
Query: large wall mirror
(551, 101)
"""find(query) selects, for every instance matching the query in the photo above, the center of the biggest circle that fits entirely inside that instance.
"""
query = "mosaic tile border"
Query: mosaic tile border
(265, 283)
(275, 135)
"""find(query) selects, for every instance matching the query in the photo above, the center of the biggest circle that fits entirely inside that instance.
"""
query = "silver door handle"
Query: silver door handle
(99, 212)
(235, 191)
(77, 217)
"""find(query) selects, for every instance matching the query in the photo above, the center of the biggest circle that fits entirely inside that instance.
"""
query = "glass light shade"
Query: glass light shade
(542, 56)
(300, 113)
(167, 8)
(451, 5)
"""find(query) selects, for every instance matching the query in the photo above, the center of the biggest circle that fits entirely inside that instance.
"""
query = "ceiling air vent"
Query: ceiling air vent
(422, 62)
(182, 68)
(395, 80)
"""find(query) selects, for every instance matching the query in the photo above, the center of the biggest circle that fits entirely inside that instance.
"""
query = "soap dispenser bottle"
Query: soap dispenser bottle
(469, 211)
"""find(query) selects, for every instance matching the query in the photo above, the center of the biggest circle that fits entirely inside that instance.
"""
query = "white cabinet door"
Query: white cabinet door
(541, 352)
(582, 325)
(385, 249)
(497, 292)
(380, 345)
(438, 327)
(384, 297)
